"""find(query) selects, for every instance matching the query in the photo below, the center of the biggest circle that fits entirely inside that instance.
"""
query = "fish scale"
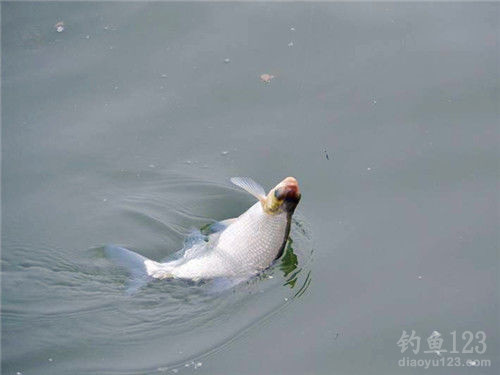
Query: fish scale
(244, 248)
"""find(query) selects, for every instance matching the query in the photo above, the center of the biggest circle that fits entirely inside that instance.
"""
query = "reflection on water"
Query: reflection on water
(290, 266)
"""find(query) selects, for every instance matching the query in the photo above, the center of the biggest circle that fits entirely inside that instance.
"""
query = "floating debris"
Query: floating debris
(197, 365)
(224, 153)
(152, 166)
(163, 76)
(227, 61)
(368, 169)
(326, 154)
(50, 359)
(419, 277)
(292, 28)
(59, 27)
(266, 78)
(175, 371)
(87, 36)
(290, 44)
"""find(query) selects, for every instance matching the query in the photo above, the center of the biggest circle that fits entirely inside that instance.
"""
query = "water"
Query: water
(124, 127)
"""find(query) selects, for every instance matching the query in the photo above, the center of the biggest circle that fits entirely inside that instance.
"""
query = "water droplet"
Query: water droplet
(227, 61)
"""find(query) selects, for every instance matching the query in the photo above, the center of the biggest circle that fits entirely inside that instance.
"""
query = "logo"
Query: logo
(437, 354)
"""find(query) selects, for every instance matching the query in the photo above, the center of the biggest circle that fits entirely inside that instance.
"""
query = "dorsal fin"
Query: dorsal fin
(246, 183)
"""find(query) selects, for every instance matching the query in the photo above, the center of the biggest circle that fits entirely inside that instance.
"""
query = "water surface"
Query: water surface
(125, 127)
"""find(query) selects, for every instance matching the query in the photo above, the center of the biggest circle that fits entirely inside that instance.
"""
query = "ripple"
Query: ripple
(173, 322)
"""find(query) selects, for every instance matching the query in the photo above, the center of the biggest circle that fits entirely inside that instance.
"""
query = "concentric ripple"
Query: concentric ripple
(175, 323)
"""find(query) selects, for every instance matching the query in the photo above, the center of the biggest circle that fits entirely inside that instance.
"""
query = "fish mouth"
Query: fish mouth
(288, 191)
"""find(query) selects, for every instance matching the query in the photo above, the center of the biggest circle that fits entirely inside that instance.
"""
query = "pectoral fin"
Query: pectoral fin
(252, 187)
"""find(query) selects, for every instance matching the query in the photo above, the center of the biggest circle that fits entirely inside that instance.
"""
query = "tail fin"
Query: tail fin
(141, 269)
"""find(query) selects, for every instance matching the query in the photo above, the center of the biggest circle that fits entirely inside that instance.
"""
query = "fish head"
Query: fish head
(284, 197)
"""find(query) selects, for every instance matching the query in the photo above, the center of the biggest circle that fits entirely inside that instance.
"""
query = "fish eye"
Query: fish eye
(277, 193)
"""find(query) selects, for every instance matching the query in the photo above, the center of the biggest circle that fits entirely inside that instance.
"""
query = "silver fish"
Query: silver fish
(247, 245)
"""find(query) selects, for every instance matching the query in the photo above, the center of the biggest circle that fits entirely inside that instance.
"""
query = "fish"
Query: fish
(238, 249)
